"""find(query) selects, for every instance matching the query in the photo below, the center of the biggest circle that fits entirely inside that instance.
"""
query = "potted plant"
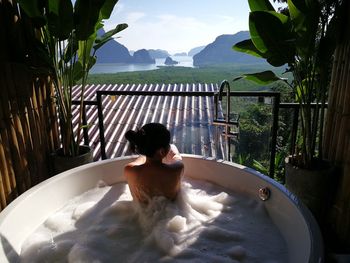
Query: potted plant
(302, 37)
(68, 41)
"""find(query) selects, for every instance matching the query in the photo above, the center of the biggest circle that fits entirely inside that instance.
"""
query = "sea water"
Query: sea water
(184, 61)
(206, 223)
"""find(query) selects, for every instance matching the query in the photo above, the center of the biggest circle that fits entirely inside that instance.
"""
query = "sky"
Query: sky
(177, 25)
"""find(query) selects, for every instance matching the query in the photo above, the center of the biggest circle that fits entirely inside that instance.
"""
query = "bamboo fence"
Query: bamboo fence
(337, 136)
(28, 131)
(28, 119)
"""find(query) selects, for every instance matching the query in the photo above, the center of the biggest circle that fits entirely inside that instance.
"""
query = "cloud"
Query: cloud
(175, 33)
(170, 32)
(134, 17)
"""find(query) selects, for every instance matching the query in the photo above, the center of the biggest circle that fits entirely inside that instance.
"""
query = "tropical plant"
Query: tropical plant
(68, 41)
(279, 167)
(303, 38)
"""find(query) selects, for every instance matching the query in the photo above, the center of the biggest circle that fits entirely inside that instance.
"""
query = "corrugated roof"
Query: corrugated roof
(189, 118)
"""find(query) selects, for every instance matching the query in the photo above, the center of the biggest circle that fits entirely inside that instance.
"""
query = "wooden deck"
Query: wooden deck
(189, 118)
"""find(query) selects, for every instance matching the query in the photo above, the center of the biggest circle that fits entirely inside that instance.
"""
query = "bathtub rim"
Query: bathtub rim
(316, 246)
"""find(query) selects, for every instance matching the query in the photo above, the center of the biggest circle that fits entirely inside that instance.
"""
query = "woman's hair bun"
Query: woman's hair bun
(148, 139)
(131, 136)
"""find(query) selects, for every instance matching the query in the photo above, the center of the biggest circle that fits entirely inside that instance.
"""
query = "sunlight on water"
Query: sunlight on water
(184, 61)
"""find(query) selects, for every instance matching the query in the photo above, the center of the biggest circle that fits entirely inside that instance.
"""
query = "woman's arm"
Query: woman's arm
(174, 159)
(173, 155)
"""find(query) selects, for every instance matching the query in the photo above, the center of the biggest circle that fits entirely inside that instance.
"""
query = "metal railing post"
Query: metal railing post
(101, 126)
(85, 130)
(273, 144)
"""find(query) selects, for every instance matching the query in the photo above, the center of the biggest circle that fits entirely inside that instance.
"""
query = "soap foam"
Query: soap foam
(206, 223)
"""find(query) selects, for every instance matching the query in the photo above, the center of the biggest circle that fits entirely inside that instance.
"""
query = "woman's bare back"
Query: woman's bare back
(161, 176)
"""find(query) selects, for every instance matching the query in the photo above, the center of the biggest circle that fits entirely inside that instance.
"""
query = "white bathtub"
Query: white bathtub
(31, 209)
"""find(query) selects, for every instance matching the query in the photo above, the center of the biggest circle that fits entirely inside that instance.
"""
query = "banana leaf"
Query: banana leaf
(34, 9)
(86, 17)
(304, 19)
(107, 9)
(100, 41)
(270, 33)
(261, 78)
(60, 18)
(247, 46)
(260, 5)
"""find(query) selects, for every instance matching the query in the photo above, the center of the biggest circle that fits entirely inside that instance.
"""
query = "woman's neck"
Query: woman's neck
(153, 160)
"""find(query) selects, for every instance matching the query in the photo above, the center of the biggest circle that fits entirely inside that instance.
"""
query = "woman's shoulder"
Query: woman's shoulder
(176, 165)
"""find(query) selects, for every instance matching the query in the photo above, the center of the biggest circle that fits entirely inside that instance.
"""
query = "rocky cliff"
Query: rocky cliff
(220, 51)
(143, 57)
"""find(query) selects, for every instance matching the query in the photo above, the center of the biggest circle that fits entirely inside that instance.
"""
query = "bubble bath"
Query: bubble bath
(206, 223)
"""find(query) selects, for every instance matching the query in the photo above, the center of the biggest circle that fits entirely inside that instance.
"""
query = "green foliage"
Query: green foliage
(262, 78)
(254, 133)
(260, 5)
(69, 37)
(173, 75)
(279, 167)
(242, 159)
(300, 38)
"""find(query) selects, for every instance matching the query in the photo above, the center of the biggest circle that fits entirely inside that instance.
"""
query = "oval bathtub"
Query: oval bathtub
(294, 221)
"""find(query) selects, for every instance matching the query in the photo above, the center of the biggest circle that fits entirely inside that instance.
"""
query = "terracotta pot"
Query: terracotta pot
(63, 163)
(311, 186)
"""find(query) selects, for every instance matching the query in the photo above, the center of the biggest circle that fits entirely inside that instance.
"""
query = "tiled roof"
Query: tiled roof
(188, 118)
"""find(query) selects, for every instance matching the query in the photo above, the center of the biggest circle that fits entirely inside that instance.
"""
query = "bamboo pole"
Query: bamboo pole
(28, 119)
(333, 93)
(337, 139)
(16, 136)
(6, 134)
(53, 125)
(344, 114)
(5, 169)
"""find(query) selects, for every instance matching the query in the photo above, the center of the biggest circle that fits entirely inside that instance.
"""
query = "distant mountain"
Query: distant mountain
(143, 56)
(195, 51)
(158, 53)
(112, 52)
(180, 54)
(220, 51)
(169, 61)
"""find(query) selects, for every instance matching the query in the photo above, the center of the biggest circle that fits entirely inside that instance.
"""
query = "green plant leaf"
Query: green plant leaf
(78, 71)
(92, 62)
(34, 9)
(60, 18)
(261, 78)
(30, 7)
(86, 17)
(100, 41)
(271, 35)
(247, 46)
(84, 50)
(260, 5)
(304, 18)
(301, 91)
(107, 9)
(260, 167)
(71, 49)
(75, 72)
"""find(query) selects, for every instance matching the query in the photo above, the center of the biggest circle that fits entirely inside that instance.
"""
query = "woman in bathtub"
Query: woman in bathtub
(158, 169)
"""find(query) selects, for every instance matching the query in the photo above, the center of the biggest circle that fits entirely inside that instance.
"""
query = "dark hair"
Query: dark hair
(150, 138)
